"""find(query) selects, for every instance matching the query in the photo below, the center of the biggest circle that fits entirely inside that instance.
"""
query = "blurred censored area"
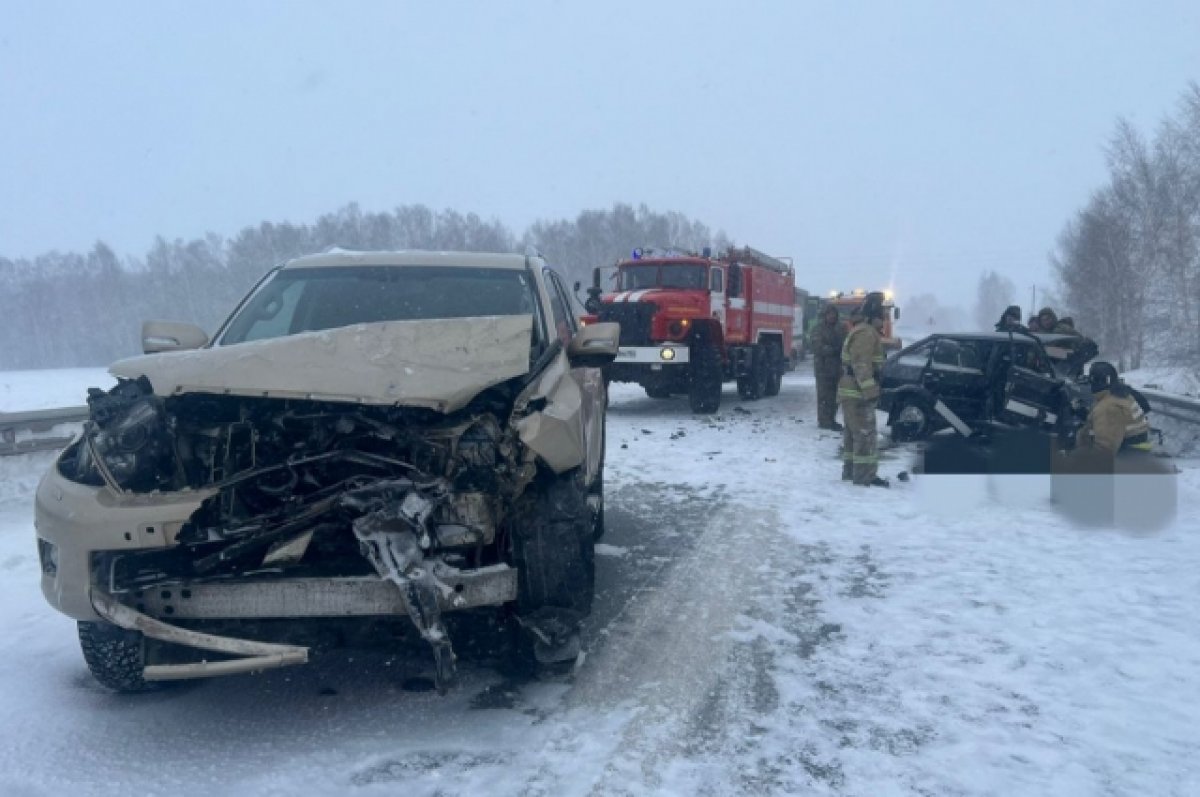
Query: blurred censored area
(1026, 469)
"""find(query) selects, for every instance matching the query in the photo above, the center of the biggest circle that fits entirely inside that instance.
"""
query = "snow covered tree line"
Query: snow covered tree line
(1128, 264)
(994, 294)
(77, 309)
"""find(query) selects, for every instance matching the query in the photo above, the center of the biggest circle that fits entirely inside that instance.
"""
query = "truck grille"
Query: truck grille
(634, 319)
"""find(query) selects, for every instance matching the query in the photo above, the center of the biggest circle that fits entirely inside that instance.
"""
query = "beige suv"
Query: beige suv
(370, 440)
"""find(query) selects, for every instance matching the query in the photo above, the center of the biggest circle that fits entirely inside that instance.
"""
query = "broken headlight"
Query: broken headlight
(127, 442)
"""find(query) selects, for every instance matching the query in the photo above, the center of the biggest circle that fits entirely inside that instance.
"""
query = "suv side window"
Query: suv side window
(1030, 357)
(560, 308)
(917, 357)
(957, 356)
(968, 356)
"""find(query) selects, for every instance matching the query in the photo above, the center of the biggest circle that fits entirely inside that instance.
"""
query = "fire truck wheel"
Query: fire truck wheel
(704, 389)
(754, 386)
(658, 392)
(774, 371)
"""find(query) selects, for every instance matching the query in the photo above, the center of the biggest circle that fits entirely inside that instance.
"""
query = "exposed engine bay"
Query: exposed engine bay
(306, 489)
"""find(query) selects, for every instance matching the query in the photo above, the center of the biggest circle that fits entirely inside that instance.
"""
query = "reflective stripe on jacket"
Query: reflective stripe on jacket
(862, 357)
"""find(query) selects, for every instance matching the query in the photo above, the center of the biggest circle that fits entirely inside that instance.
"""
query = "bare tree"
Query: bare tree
(1128, 264)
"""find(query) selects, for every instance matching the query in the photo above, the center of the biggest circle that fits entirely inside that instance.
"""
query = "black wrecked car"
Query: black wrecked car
(971, 381)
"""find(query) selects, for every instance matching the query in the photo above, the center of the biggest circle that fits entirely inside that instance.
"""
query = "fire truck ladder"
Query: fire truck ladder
(749, 255)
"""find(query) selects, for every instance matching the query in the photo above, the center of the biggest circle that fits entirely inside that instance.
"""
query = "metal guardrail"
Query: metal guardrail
(1172, 405)
(37, 422)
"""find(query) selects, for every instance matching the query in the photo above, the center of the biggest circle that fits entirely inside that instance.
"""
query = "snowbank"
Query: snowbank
(1184, 381)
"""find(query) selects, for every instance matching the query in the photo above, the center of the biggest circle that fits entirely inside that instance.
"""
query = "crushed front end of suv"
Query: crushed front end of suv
(370, 441)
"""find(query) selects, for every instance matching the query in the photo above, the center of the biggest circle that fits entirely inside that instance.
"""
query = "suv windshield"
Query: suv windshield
(309, 299)
(682, 275)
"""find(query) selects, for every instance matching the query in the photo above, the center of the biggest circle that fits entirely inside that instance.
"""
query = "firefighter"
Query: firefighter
(1117, 424)
(827, 339)
(858, 393)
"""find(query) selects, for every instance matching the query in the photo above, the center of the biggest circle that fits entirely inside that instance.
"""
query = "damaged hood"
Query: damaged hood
(440, 364)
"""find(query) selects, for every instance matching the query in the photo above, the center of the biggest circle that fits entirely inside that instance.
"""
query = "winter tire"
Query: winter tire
(774, 371)
(115, 656)
(596, 491)
(704, 388)
(753, 386)
(552, 549)
(912, 420)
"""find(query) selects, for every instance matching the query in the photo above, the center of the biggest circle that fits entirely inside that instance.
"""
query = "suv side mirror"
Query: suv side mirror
(594, 346)
(171, 336)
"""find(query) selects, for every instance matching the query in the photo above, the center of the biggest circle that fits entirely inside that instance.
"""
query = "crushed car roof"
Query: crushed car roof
(411, 257)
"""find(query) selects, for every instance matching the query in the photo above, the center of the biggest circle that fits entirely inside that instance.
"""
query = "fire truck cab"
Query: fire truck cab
(692, 320)
(847, 303)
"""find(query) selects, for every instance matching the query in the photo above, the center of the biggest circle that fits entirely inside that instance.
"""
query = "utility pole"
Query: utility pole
(1033, 299)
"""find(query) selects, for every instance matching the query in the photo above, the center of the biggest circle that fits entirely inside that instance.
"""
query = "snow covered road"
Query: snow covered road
(761, 628)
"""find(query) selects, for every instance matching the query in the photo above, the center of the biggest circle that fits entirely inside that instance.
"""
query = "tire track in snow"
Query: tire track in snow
(684, 663)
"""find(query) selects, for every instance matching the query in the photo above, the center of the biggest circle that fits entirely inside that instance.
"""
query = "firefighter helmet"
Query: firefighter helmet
(872, 308)
(1102, 376)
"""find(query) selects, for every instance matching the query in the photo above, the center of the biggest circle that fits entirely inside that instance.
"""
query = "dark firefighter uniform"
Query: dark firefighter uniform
(858, 393)
(827, 341)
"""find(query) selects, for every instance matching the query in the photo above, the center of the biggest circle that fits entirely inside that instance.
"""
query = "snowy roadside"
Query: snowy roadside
(790, 634)
(997, 649)
(1170, 380)
(41, 390)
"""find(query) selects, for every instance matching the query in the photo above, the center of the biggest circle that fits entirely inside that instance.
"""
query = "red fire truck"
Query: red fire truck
(691, 321)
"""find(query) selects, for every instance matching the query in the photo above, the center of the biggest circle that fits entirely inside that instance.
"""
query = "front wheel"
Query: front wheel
(596, 491)
(704, 386)
(552, 549)
(116, 657)
(912, 420)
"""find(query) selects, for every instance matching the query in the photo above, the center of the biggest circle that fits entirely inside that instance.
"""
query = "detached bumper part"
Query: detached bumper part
(254, 655)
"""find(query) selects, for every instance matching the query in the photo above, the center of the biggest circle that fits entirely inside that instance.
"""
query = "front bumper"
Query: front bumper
(357, 596)
(665, 354)
(79, 520)
(75, 522)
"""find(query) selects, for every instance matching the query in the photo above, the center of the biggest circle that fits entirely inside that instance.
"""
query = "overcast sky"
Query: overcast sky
(920, 142)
